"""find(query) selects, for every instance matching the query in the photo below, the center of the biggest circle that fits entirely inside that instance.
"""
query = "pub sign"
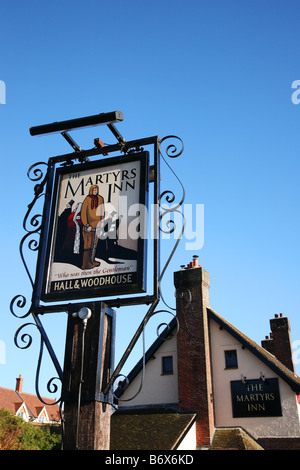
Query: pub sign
(98, 230)
(255, 398)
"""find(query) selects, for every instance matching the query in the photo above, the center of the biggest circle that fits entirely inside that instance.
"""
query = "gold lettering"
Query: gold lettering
(255, 387)
(269, 396)
(256, 407)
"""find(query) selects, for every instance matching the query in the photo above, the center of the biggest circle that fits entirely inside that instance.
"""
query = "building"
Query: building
(207, 385)
(28, 406)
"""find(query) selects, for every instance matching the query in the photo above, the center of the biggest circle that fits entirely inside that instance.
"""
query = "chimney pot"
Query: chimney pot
(195, 260)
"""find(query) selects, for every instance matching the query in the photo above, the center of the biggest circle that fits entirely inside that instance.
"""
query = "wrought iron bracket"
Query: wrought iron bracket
(37, 232)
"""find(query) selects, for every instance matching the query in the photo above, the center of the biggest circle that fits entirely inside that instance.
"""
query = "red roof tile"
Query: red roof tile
(12, 401)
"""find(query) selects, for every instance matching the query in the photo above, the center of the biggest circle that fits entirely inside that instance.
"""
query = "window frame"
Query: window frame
(228, 364)
(167, 370)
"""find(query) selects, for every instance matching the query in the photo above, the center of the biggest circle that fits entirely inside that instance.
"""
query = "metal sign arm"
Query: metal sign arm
(129, 348)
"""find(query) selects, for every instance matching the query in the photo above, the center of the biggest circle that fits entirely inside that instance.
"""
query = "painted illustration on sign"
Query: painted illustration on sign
(98, 227)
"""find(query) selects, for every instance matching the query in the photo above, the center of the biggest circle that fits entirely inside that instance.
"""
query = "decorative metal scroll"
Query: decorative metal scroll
(32, 225)
(27, 340)
(184, 297)
(169, 196)
(171, 152)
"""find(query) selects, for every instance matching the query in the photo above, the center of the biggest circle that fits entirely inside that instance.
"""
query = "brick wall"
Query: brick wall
(194, 367)
(280, 443)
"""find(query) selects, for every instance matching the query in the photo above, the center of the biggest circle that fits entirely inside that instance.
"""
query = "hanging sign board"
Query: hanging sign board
(97, 240)
(255, 398)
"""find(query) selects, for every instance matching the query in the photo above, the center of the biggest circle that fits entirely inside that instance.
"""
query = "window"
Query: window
(231, 359)
(167, 365)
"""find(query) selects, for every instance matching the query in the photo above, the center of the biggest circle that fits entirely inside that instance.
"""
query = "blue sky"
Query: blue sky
(217, 74)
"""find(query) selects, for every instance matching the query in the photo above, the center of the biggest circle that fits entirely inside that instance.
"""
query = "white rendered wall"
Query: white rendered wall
(157, 389)
(251, 367)
(189, 441)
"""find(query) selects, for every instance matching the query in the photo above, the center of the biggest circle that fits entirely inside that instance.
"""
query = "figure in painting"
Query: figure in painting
(69, 235)
(92, 212)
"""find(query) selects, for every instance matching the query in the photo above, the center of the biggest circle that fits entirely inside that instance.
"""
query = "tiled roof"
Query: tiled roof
(35, 406)
(233, 439)
(9, 400)
(148, 430)
(12, 401)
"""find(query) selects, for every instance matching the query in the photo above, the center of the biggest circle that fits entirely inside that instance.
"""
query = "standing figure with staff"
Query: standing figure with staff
(92, 212)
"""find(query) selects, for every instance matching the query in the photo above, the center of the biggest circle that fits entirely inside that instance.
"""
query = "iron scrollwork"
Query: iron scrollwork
(32, 228)
(32, 225)
(26, 338)
(168, 197)
(184, 297)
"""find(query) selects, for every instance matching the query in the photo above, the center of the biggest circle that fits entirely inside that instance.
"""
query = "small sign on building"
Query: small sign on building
(255, 398)
(98, 230)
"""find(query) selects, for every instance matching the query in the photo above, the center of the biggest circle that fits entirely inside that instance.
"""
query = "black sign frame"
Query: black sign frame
(255, 398)
(118, 282)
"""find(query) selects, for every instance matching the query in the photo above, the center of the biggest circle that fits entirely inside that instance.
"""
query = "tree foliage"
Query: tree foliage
(16, 434)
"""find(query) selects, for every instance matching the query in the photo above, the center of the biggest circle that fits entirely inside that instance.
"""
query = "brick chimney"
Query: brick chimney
(268, 344)
(279, 344)
(280, 327)
(193, 356)
(19, 384)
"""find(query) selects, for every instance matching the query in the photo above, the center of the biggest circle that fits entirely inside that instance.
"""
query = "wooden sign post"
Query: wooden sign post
(88, 365)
